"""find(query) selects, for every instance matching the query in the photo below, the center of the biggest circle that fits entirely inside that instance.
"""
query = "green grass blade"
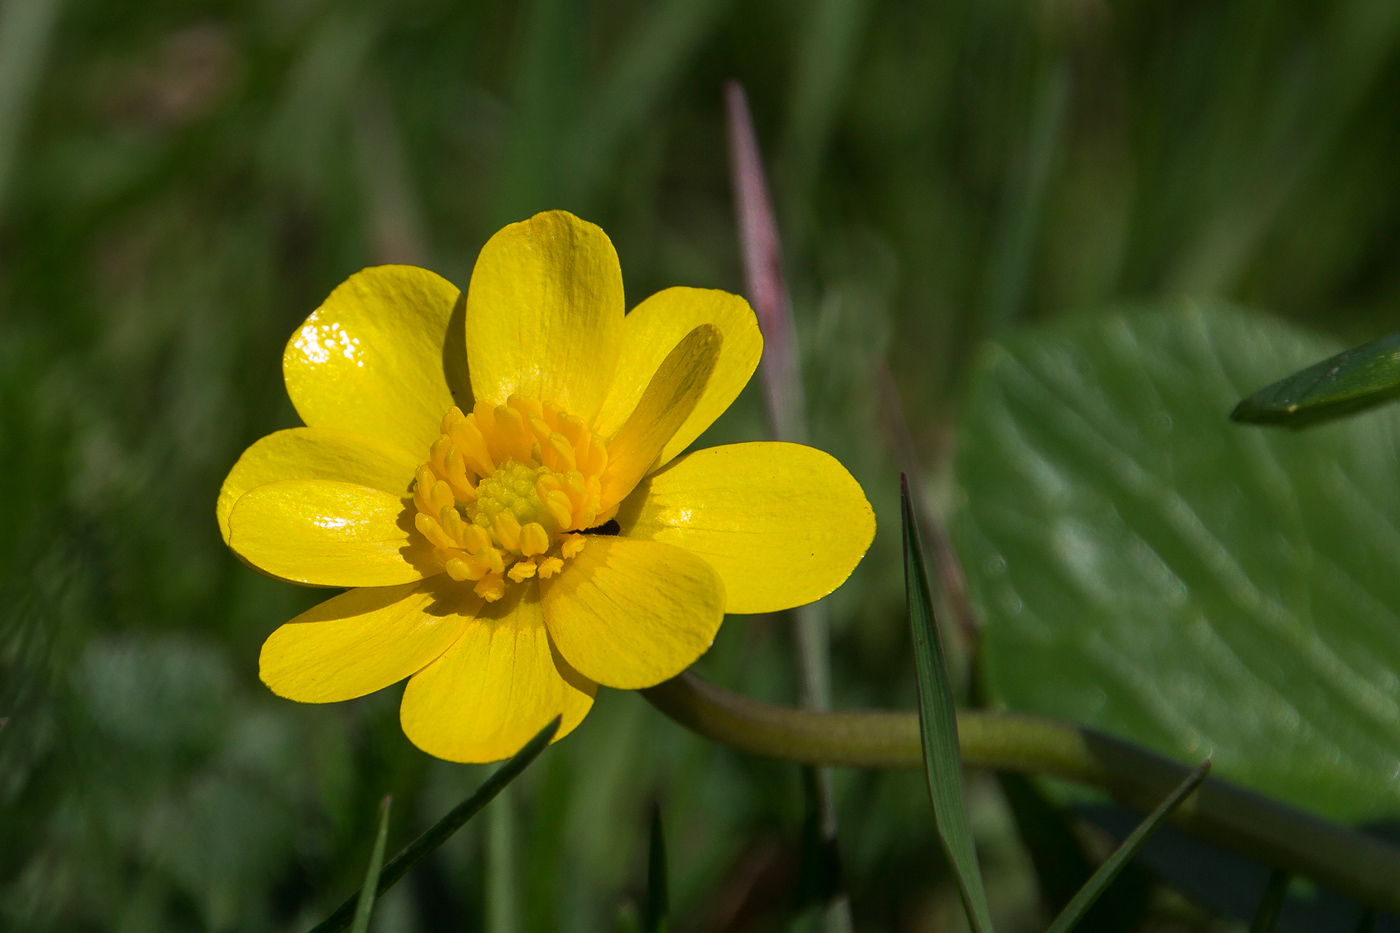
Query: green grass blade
(365, 906)
(1271, 904)
(502, 889)
(1115, 863)
(1367, 923)
(1352, 381)
(939, 725)
(443, 829)
(658, 908)
(27, 30)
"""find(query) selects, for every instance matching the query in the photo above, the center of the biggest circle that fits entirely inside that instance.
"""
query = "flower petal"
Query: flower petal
(668, 401)
(376, 357)
(364, 640)
(630, 614)
(544, 314)
(317, 453)
(329, 534)
(497, 686)
(783, 524)
(653, 328)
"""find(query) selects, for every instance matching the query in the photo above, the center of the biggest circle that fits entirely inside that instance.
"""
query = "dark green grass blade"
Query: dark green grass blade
(658, 895)
(939, 725)
(365, 906)
(1352, 381)
(1271, 904)
(1121, 856)
(443, 829)
(1367, 923)
(1062, 868)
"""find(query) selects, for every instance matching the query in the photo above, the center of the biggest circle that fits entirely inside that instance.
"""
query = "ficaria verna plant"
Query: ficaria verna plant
(499, 480)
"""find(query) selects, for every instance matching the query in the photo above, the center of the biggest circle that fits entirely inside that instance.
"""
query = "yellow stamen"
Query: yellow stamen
(491, 588)
(505, 489)
(533, 539)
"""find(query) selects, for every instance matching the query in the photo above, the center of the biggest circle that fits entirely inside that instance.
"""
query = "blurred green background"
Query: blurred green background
(182, 182)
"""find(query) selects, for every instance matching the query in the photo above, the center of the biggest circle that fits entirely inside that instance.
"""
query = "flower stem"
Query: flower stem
(1257, 827)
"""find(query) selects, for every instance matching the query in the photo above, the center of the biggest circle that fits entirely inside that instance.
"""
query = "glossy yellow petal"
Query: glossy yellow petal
(375, 357)
(317, 453)
(364, 640)
(498, 685)
(669, 399)
(653, 328)
(783, 524)
(630, 614)
(329, 534)
(544, 314)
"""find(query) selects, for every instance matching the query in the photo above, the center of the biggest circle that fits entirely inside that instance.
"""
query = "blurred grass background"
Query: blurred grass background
(182, 182)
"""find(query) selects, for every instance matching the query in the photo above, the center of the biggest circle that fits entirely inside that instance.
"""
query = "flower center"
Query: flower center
(503, 490)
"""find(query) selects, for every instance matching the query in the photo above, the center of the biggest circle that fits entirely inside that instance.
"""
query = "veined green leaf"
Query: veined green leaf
(1271, 904)
(658, 908)
(365, 906)
(442, 830)
(1147, 568)
(938, 722)
(1351, 381)
(1081, 902)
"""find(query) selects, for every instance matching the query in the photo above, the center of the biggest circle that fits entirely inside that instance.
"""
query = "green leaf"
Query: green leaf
(1271, 904)
(658, 898)
(1148, 568)
(938, 724)
(1081, 902)
(365, 906)
(1351, 381)
(442, 830)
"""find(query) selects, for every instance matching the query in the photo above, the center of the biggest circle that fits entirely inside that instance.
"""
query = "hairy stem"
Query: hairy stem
(1344, 860)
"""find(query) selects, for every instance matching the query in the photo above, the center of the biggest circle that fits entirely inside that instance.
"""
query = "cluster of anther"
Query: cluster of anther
(503, 489)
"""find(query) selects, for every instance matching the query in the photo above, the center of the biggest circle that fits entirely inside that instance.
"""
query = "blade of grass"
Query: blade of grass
(1079, 905)
(952, 582)
(365, 906)
(502, 899)
(1271, 904)
(1351, 381)
(658, 909)
(1367, 923)
(665, 43)
(544, 98)
(938, 726)
(1013, 257)
(829, 49)
(787, 416)
(26, 33)
(442, 830)
(763, 273)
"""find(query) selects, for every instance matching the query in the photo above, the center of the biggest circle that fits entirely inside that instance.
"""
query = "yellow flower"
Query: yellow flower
(498, 480)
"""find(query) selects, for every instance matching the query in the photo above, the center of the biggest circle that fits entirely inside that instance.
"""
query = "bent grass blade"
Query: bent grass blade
(365, 906)
(1271, 904)
(1081, 902)
(442, 830)
(658, 907)
(939, 728)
